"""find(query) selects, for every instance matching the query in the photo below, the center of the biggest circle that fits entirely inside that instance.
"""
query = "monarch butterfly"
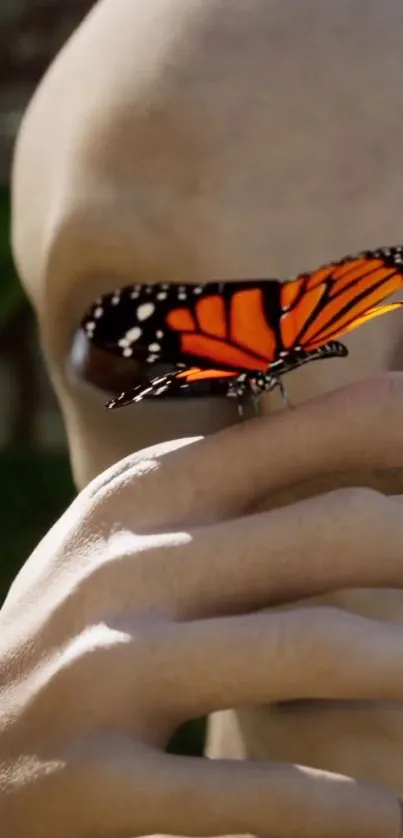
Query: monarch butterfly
(234, 338)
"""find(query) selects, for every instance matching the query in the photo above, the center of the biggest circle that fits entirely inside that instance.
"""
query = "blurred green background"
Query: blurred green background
(35, 478)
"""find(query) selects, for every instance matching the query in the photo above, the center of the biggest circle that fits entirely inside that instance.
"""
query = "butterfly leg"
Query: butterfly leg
(284, 394)
(237, 390)
(254, 388)
(257, 403)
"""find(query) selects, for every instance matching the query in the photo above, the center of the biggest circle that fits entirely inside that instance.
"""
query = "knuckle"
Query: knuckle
(355, 515)
(303, 631)
(355, 500)
(152, 561)
(312, 627)
(117, 575)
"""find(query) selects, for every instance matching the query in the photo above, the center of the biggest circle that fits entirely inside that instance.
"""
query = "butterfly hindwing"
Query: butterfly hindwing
(198, 383)
(194, 383)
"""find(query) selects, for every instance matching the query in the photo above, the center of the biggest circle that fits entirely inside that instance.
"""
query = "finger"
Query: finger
(356, 427)
(327, 543)
(195, 797)
(336, 541)
(273, 656)
(188, 670)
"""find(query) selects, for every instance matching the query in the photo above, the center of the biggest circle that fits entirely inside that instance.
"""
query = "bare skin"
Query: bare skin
(186, 141)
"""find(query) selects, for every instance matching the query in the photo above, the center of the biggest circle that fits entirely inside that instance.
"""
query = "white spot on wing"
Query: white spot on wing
(133, 334)
(145, 311)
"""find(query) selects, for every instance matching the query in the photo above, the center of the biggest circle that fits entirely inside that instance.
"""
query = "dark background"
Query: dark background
(35, 478)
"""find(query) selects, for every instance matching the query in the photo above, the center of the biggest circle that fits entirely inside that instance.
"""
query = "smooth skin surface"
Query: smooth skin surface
(228, 565)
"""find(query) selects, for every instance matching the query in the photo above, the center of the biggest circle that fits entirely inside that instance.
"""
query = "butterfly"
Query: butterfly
(238, 338)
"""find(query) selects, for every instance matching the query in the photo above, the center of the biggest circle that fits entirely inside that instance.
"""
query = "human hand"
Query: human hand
(147, 605)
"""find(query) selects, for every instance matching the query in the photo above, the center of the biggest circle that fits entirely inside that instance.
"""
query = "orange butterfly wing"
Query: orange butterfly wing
(307, 312)
(192, 374)
(246, 326)
(241, 339)
(335, 300)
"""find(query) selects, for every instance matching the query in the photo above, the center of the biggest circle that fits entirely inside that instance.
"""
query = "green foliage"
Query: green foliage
(11, 293)
(35, 489)
(189, 739)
